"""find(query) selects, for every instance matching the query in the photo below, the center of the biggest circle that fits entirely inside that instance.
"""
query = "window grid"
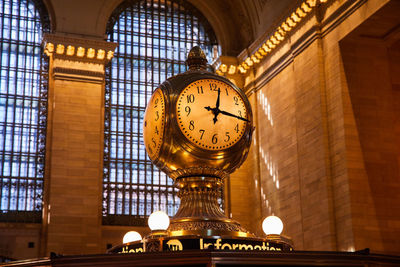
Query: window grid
(154, 37)
(23, 110)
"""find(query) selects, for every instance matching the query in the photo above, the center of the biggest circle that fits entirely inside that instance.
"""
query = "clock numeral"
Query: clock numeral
(213, 87)
(236, 100)
(240, 113)
(154, 142)
(188, 109)
(157, 115)
(214, 139)
(227, 137)
(190, 98)
(237, 128)
(149, 149)
(202, 133)
(226, 90)
(156, 103)
(191, 125)
(156, 131)
(200, 89)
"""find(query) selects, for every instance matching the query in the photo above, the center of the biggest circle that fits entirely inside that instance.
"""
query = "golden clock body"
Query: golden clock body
(191, 143)
(154, 124)
(197, 129)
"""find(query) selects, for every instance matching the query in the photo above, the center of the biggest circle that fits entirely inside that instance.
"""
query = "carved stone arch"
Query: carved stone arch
(47, 16)
(219, 14)
(224, 20)
(112, 8)
(107, 10)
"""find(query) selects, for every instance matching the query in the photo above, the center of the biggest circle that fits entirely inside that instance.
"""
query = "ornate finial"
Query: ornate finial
(196, 59)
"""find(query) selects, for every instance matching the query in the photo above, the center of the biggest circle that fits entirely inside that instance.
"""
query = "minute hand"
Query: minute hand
(232, 115)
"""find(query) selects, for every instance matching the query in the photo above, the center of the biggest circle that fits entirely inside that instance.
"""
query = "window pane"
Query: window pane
(23, 111)
(154, 40)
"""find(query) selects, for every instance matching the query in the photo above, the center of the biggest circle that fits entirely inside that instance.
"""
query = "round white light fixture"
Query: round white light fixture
(272, 225)
(131, 236)
(158, 220)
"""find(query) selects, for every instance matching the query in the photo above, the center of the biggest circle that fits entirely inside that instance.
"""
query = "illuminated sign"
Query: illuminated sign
(171, 244)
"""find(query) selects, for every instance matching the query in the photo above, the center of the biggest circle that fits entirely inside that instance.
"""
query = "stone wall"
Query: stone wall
(370, 68)
(328, 129)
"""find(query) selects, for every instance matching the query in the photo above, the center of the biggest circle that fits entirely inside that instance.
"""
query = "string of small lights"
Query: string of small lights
(70, 50)
(273, 40)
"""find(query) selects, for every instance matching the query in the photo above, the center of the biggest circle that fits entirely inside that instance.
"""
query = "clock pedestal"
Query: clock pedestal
(199, 212)
(197, 129)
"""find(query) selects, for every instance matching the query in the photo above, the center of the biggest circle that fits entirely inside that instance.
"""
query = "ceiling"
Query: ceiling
(237, 23)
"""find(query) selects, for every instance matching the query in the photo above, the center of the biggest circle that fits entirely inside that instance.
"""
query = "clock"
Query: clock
(153, 125)
(197, 129)
(211, 114)
(197, 123)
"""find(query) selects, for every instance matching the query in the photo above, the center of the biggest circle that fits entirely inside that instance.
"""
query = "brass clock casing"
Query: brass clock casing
(199, 167)
(153, 128)
(179, 156)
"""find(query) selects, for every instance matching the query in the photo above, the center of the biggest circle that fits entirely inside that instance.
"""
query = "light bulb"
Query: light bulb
(272, 225)
(131, 236)
(158, 220)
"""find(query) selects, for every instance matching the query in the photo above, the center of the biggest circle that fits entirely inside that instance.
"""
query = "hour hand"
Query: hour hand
(215, 111)
(232, 115)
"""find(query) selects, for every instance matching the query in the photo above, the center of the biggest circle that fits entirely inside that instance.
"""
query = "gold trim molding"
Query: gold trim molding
(78, 75)
(273, 40)
(78, 49)
(301, 43)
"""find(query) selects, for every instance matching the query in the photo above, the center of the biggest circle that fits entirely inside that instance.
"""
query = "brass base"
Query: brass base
(199, 213)
(155, 234)
(280, 239)
(207, 228)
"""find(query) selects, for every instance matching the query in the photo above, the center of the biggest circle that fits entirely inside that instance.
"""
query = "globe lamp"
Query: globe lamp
(158, 220)
(131, 236)
(272, 225)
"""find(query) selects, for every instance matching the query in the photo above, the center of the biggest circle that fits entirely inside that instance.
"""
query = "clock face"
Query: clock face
(153, 125)
(211, 114)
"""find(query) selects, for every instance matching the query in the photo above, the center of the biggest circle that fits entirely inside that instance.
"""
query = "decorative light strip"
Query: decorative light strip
(80, 51)
(274, 39)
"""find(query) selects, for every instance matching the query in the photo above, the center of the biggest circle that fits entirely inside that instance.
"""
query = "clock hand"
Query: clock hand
(217, 105)
(232, 115)
(215, 111)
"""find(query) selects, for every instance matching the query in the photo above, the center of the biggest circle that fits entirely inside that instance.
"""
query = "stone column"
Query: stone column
(73, 184)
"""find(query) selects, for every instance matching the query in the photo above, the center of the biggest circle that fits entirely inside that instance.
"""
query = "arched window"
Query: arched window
(154, 37)
(23, 109)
